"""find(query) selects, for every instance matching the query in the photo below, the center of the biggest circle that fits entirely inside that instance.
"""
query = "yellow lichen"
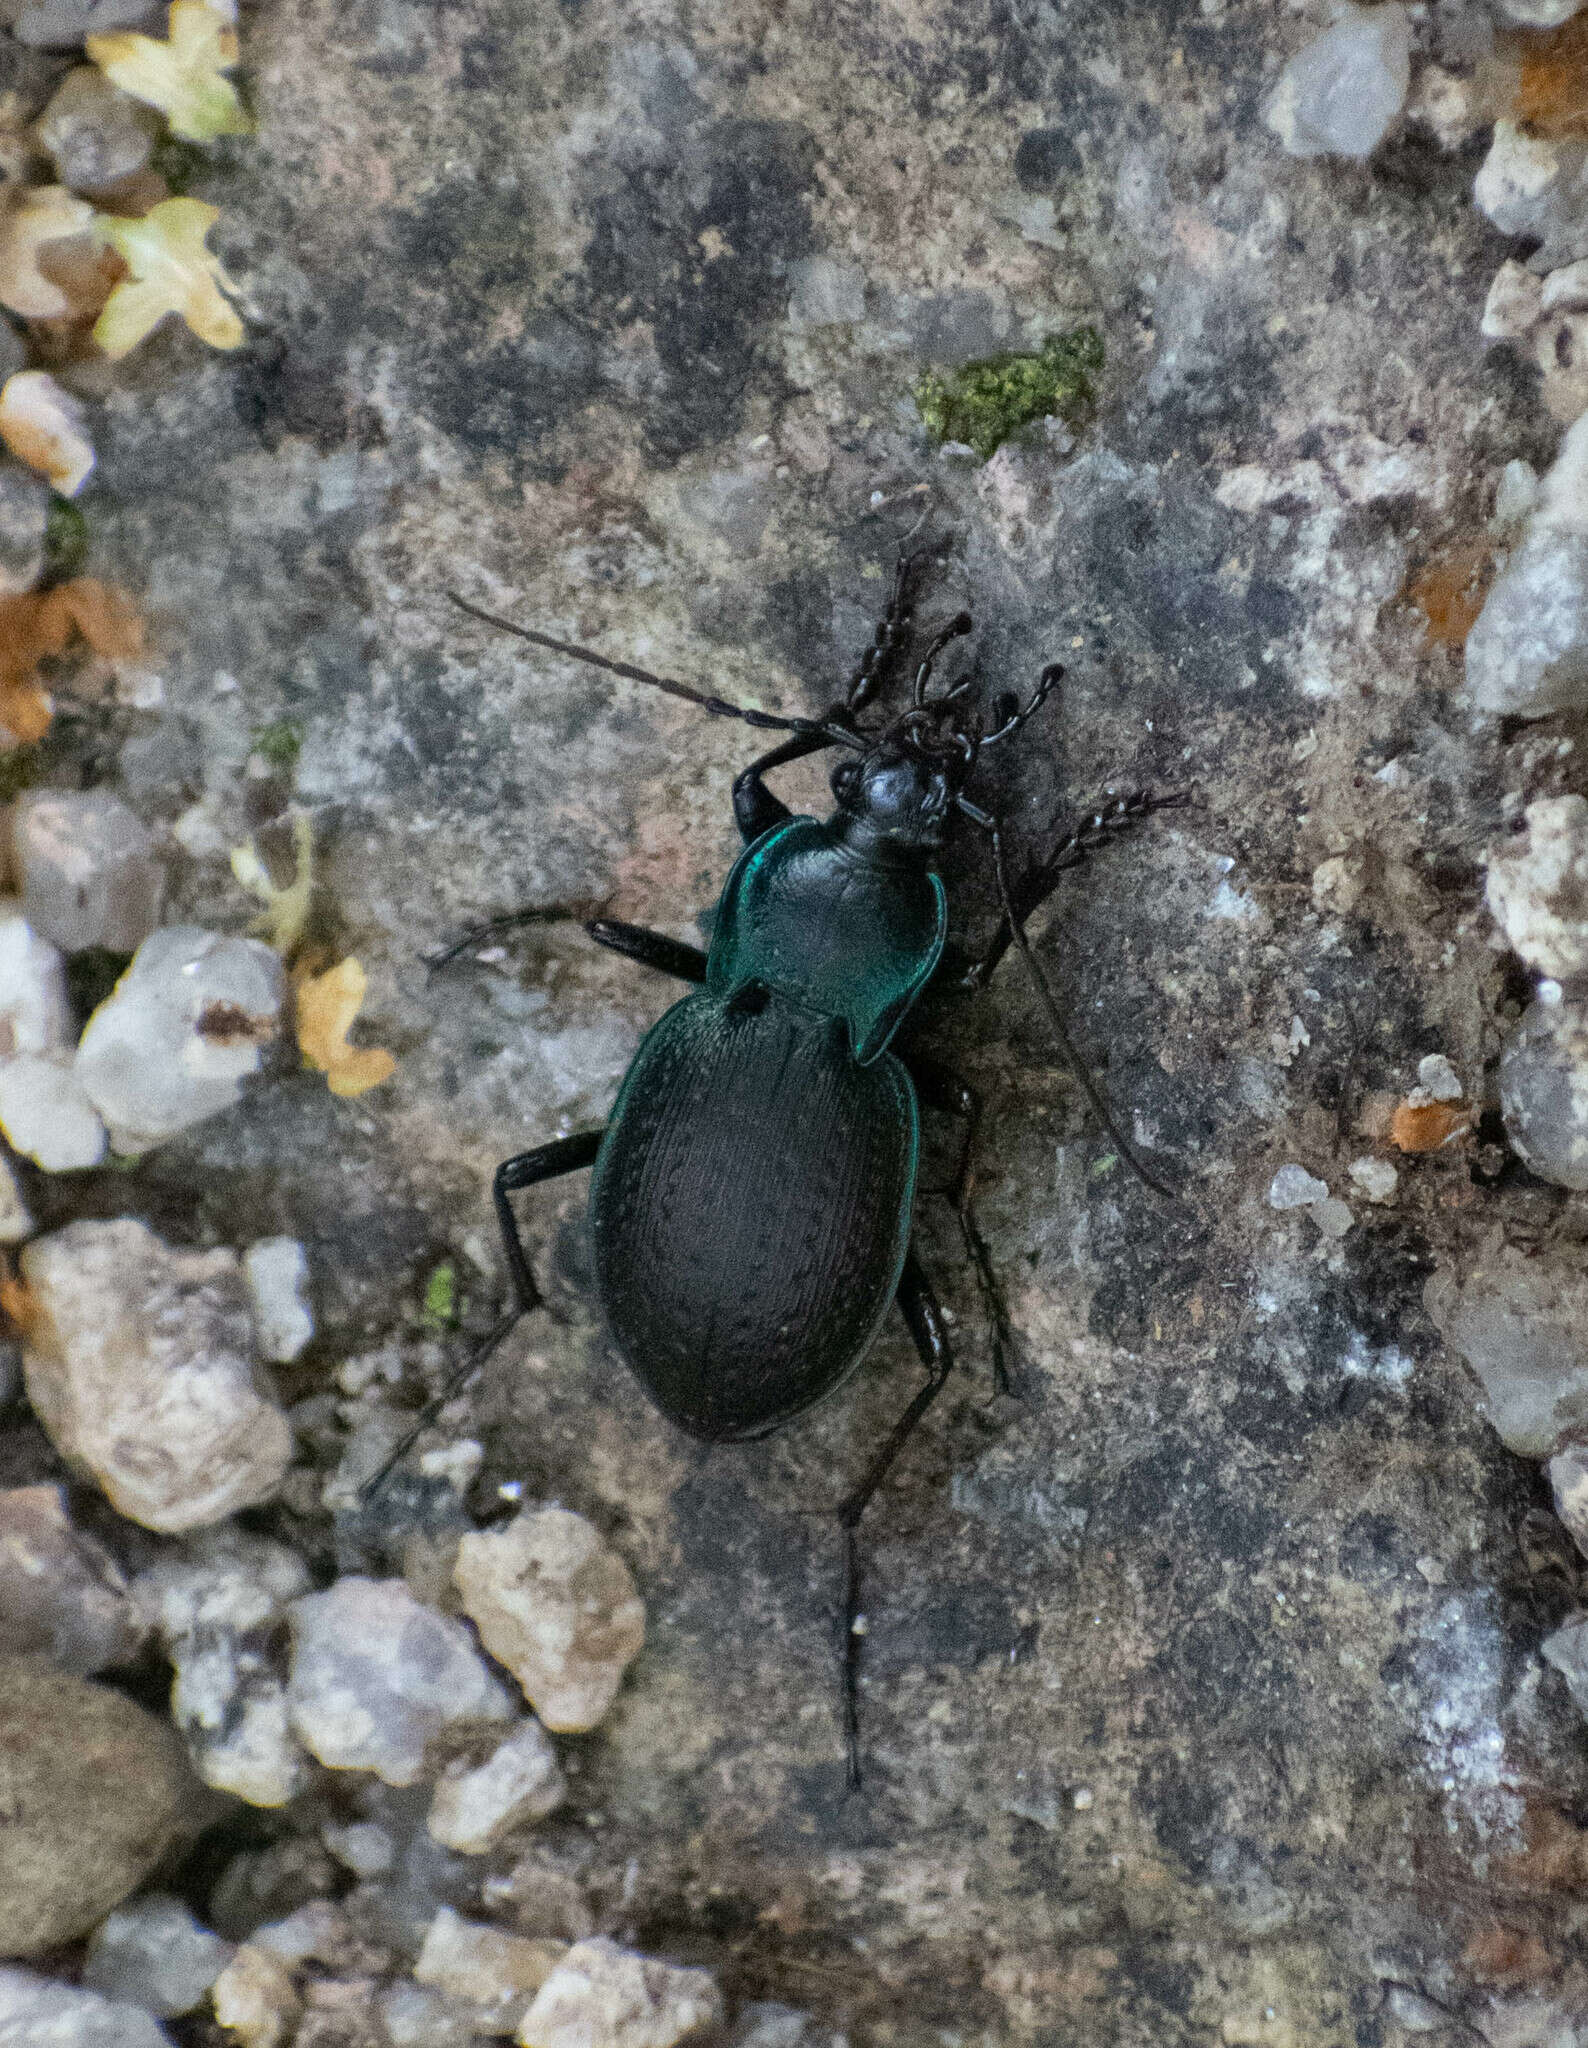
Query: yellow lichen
(286, 911)
(327, 1007)
(185, 76)
(171, 272)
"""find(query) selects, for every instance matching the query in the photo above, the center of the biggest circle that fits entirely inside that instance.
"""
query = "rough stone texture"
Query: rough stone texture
(557, 1606)
(604, 1996)
(34, 1013)
(1538, 887)
(45, 1114)
(140, 1363)
(153, 1953)
(518, 1783)
(98, 135)
(1528, 652)
(24, 508)
(38, 2012)
(97, 1791)
(88, 870)
(62, 1595)
(255, 1998)
(1544, 1091)
(1522, 1325)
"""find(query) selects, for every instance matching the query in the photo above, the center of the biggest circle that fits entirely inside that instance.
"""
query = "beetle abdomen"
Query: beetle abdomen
(750, 1210)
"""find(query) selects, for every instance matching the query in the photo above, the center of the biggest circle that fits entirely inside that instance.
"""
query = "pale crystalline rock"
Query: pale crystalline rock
(62, 1595)
(603, 1996)
(140, 1364)
(1568, 1479)
(255, 1998)
(414, 2016)
(1564, 290)
(38, 2012)
(1376, 1178)
(1339, 95)
(45, 1114)
(1532, 185)
(1522, 1325)
(153, 1953)
(375, 1675)
(1563, 488)
(34, 1013)
(1515, 498)
(1527, 653)
(497, 1974)
(1439, 1078)
(1544, 1091)
(1538, 13)
(557, 1606)
(521, 1781)
(1537, 887)
(277, 1271)
(1293, 1187)
(181, 1031)
(90, 875)
(218, 1612)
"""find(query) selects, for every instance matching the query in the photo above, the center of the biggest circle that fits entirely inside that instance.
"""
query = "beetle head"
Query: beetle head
(900, 791)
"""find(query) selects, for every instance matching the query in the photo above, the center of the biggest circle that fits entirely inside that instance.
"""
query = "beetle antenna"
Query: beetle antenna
(719, 707)
(1067, 1046)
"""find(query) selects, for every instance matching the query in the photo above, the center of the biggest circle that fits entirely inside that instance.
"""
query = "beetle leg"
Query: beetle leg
(945, 1092)
(892, 631)
(650, 949)
(925, 1319)
(524, 1170)
(755, 808)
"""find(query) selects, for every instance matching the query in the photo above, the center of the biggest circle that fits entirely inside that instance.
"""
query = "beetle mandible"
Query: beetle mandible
(751, 1195)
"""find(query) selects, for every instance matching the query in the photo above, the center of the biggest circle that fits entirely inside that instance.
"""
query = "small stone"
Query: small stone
(497, 1974)
(39, 2012)
(1567, 1650)
(62, 1595)
(1538, 13)
(98, 135)
(153, 1953)
(140, 1365)
(1560, 348)
(90, 875)
(24, 513)
(254, 1996)
(375, 1675)
(45, 1114)
(1564, 290)
(1333, 1217)
(1339, 95)
(218, 1612)
(1515, 497)
(1527, 652)
(178, 1035)
(1337, 885)
(1544, 1092)
(1293, 1187)
(1439, 1078)
(1376, 1178)
(34, 1013)
(603, 1996)
(42, 423)
(558, 1607)
(1522, 1325)
(1537, 887)
(277, 1271)
(414, 2016)
(1449, 104)
(61, 24)
(366, 1848)
(1531, 185)
(1568, 1479)
(1563, 488)
(520, 1782)
(96, 1792)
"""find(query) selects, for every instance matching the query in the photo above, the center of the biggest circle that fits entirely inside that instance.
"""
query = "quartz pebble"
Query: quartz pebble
(375, 1675)
(24, 512)
(255, 1998)
(414, 2016)
(1439, 1079)
(1567, 1650)
(218, 1612)
(557, 1606)
(98, 135)
(140, 1364)
(1534, 186)
(1376, 1178)
(45, 1114)
(1522, 1325)
(603, 1996)
(1544, 1091)
(1527, 653)
(1514, 304)
(96, 1792)
(277, 1271)
(62, 1595)
(38, 2012)
(34, 1013)
(152, 1952)
(1568, 1479)
(90, 875)
(1338, 96)
(497, 1974)
(520, 1782)
(182, 1030)
(1292, 1187)
(1537, 887)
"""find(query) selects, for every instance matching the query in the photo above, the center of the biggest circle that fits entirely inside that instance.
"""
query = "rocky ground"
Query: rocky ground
(1206, 1696)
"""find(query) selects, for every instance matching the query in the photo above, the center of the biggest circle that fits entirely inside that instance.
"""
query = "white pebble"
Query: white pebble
(520, 1782)
(1515, 498)
(1376, 1178)
(1544, 1091)
(34, 1013)
(1439, 1078)
(1565, 290)
(497, 1974)
(1514, 302)
(363, 1845)
(1531, 185)
(153, 1953)
(1521, 1323)
(182, 1030)
(277, 1272)
(375, 1675)
(1293, 1187)
(1537, 886)
(37, 2012)
(45, 1114)
(140, 1365)
(1333, 1217)
(1338, 96)
(90, 875)
(255, 1998)
(1527, 653)
(603, 1996)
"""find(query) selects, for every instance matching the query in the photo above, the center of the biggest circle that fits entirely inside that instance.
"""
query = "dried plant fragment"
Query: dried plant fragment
(286, 911)
(42, 623)
(1450, 590)
(171, 272)
(1552, 96)
(185, 76)
(45, 427)
(48, 214)
(327, 1006)
(1426, 1126)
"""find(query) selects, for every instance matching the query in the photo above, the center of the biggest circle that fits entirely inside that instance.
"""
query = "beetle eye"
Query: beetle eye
(844, 778)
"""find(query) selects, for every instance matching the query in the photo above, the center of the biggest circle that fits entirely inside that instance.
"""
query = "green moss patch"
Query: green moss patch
(983, 403)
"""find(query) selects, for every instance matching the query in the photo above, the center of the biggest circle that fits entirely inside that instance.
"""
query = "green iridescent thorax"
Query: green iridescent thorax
(839, 931)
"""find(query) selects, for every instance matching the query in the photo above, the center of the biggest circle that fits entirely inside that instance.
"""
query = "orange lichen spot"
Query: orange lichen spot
(41, 623)
(1426, 1126)
(1555, 1857)
(1449, 591)
(20, 1305)
(1509, 1956)
(1552, 92)
(328, 1004)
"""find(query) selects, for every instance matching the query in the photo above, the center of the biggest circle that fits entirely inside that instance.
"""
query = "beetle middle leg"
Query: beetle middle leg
(919, 1306)
(945, 1092)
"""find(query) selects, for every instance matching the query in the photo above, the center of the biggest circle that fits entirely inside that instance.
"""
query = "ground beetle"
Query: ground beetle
(750, 1199)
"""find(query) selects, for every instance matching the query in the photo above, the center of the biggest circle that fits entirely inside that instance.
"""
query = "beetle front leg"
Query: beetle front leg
(755, 808)
(921, 1312)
